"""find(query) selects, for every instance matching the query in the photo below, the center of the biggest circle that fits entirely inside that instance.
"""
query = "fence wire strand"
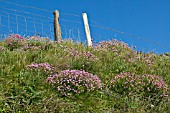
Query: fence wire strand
(14, 10)
(7, 2)
(23, 16)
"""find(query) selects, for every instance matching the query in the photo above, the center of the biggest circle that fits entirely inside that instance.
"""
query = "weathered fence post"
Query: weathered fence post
(57, 29)
(87, 29)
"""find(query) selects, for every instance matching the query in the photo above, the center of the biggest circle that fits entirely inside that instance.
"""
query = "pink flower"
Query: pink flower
(148, 89)
(72, 81)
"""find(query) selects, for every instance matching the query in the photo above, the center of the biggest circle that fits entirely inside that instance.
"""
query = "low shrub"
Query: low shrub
(14, 41)
(82, 59)
(147, 86)
(154, 87)
(42, 67)
(71, 82)
(36, 43)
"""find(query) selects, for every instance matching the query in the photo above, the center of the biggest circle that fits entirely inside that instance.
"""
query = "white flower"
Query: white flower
(152, 106)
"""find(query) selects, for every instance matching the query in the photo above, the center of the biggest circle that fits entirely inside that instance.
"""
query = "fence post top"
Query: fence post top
(56, 13)
(84, 13)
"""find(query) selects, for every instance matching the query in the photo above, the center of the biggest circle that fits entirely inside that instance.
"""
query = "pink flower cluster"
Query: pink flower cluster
(2, 48)
(42, 66)
(74, 53)
(133, 57)
(27, 47)
(35, 43)
(17, 36)
(119, 48)
(14, 41)
(111, 45)
(70, 82)
(127, 83)
(149, 58)
(156, 81)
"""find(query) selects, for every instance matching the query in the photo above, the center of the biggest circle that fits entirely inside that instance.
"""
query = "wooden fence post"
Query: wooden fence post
(87, 29)
(57, 29)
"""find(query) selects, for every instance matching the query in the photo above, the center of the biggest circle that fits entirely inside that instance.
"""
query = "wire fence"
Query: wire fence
(29, 21)
(103, 33)
(32, 21)
(17, 19)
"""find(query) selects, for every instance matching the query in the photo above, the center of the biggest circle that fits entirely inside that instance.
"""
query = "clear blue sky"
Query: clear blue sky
(149, 19)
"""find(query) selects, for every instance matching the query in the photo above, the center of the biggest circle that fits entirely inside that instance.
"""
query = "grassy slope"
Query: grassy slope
(26, 91)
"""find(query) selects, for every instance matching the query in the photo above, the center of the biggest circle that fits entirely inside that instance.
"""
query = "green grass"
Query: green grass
(26, 91)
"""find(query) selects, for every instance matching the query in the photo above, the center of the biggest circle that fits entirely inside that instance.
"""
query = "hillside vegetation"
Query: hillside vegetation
(41, 76)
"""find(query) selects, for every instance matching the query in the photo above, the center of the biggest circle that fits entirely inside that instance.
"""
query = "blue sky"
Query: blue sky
(149, 19)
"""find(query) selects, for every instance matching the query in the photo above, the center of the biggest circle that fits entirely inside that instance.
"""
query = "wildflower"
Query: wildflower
(46, 67)
(58, 88)
(148, 89)
(152, 106)
(86, 57)
(75, 81)
(145, 85)
(14, 41)
(131, 60)
(2, 48)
